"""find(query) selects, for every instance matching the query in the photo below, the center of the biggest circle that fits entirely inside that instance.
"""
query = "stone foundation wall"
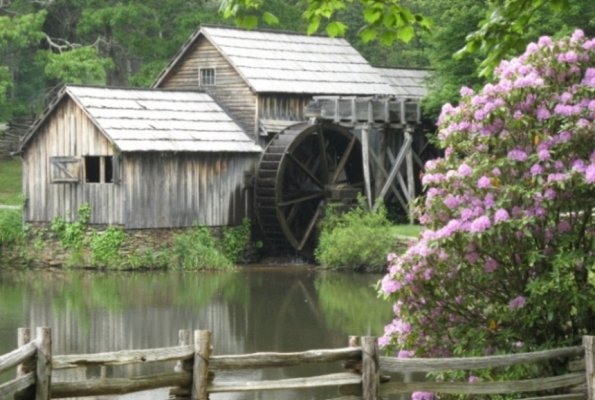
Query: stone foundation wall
(45, 249)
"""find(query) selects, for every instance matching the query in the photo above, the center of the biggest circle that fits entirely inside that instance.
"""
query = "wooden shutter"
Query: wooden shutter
(65, 169)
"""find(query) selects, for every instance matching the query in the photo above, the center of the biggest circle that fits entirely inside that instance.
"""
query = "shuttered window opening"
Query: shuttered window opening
(99, 169)
(64, 169)
(206, 76)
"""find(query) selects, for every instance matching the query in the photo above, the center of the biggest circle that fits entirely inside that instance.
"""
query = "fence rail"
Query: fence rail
(366, 377)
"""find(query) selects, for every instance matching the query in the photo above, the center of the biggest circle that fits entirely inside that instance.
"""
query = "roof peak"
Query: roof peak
(268, 30)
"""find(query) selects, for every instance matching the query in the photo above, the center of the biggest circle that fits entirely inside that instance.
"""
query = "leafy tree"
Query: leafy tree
(506, 259)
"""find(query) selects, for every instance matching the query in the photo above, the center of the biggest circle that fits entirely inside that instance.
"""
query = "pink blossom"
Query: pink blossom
(501, 215)
(517, 302)
(491, 265)
(543, 155)
(564, 226)
(405, 354)
(590, 173)
(390, 257)
(451, 201)
(422, 396)
(536, 169)
(484, 182)
(473, 379)
(480, 224)
(472, 257)
(542, 113)
(389, 285)
(517, 155)
(465, 170)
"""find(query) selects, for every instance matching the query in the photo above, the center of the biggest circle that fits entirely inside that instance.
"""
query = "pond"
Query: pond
(256, 308)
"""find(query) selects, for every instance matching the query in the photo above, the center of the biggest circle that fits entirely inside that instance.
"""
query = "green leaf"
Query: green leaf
(406, 33)
(335, 29)
(371, 15)
(247, 21)
(368, 34)
(270, 19)
(314, 25)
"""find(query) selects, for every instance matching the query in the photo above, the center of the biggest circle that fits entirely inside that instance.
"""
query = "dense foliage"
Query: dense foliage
(506, 260)
(356, 239)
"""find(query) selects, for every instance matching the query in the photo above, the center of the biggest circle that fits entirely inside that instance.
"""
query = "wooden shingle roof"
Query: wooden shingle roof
(157, 120)
(273, 62)
(407, 83)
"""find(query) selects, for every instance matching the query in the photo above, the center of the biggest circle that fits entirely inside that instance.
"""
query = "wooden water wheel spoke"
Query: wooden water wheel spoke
(301, 199)
(305, 162)
(343, 160)
(305, 170)
(311, 226)
(324, 172)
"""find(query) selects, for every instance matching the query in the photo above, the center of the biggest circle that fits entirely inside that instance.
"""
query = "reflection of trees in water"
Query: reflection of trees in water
(253, 309)
(350, 304)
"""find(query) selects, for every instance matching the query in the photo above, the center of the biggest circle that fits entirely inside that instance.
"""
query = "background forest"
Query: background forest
(45, 43)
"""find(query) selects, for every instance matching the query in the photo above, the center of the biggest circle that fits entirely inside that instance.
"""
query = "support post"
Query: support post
(395, 169)
(200, 374)
(43, 369)
(366, 162)
(370, 368)
(23, 337)
(589, 345)
(410, 176)
(184, 339)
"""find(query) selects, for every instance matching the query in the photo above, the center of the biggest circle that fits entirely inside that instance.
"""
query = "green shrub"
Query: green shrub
(235, 241)
(356, 239)
(11, 227)
(105, 246)
(72, 234)
(196, 249)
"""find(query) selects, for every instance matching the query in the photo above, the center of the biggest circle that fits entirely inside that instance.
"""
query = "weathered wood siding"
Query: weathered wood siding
(282, 106)
(182, 189)
(68, 132)
(230, 90)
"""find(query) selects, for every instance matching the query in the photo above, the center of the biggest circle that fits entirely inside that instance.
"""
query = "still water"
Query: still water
(256, 308)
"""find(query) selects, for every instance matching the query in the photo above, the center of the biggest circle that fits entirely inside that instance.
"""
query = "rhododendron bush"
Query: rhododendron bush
(506, 260)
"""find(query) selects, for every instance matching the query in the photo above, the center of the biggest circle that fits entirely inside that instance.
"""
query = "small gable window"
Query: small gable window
(206, 76)
(99, 169)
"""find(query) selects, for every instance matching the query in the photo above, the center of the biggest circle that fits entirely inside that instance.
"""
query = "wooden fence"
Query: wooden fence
(363, 373)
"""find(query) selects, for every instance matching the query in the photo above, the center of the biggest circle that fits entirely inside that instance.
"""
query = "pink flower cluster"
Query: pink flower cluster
(516, 181)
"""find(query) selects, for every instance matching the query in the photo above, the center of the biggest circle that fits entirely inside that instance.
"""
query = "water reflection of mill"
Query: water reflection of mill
(248, 311)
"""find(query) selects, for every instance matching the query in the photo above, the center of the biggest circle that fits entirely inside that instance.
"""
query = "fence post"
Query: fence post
(44, 364)
(200, 373)
(370, 368)
(185, 339)
(23, 337)
(589, 345)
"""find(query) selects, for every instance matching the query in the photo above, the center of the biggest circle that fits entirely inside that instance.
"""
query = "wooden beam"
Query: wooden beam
(589, 345)
(43, 370)
(395, 169)
(366, 164)
(402, 184)
(338, 379)
(385, 175)
(370, 368)
(200, 376)
(410, 177)
(17, 356)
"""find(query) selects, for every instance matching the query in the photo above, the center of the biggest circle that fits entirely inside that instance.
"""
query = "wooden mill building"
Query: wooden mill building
(191, 149)
(140, 158)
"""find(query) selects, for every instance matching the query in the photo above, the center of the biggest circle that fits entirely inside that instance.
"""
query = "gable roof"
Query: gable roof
(279, 62)
(156, 120)
(407, 83)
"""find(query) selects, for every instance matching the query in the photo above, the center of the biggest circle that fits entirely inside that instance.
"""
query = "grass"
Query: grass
(411, 231)
(10, 182)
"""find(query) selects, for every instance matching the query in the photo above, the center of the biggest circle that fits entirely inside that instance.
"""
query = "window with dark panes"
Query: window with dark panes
(99, 169)
(207, 76)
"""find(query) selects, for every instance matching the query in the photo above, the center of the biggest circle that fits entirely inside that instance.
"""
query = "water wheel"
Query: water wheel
(302, 169)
